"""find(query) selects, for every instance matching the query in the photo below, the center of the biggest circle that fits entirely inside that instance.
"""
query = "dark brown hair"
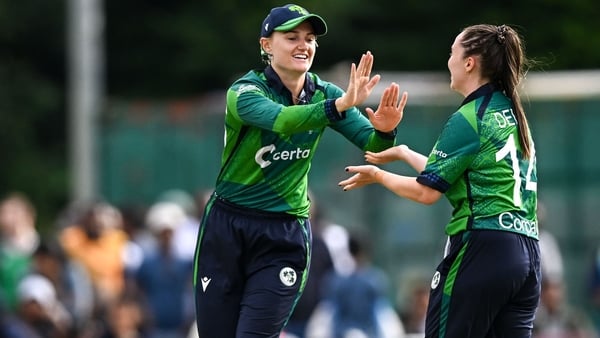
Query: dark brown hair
(503, 61)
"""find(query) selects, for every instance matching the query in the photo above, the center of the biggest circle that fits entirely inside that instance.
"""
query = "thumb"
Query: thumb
(370, 113)
(373, 82)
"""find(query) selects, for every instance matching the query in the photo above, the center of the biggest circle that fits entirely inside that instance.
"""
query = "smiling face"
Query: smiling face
(292, 52)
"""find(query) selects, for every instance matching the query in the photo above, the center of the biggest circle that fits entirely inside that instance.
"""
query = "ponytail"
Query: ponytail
(503, 61)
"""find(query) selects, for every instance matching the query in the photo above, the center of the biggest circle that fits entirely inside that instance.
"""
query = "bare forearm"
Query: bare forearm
(403, 186)
(416, 160)
(407, 187)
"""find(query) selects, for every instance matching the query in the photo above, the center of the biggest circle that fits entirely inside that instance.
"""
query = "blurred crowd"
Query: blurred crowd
(109, 271)
(104, 272)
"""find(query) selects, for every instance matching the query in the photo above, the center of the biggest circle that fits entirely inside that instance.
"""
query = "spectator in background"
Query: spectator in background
(17, 224)
(321, 265)
(18, 240)
(139, 240)
(556, 318)
(336, 237)
(71, 283)
(96, 240)
(164, 278)
(413, 306)
(39, 313)
(184, 236)
(550, 253)
(124, 319)
(357, 304)
(593, 288)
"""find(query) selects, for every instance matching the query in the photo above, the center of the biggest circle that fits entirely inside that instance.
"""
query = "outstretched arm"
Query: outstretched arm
(403, 186)
(398, 153)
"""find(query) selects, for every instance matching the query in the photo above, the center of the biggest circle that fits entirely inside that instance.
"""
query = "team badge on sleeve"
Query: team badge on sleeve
(288, 276)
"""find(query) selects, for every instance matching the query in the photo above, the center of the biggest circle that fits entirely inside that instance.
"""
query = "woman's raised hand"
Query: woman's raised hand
(360, 85)
(390, 111)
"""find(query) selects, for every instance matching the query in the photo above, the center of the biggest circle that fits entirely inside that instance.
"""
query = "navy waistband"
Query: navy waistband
(242, 210)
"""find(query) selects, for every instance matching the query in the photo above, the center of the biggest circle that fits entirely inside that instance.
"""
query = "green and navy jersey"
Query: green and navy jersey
(477, 162)
(270, 142)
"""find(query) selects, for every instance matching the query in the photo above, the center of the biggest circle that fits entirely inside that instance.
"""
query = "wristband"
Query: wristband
(389, 135)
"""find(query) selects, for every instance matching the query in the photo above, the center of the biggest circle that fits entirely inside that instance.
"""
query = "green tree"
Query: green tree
(32, 104)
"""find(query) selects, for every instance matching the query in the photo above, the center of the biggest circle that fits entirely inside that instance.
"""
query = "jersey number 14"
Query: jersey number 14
(510, 149)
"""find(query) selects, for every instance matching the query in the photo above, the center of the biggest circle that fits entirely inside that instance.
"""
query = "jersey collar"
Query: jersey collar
(275, 82)
(484, 90)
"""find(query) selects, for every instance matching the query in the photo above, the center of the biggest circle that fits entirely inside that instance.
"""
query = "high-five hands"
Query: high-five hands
(390, 110)
(360, 85)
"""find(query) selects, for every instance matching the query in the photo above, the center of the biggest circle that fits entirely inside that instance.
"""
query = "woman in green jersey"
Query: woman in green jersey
(488, 283)
(254, 242)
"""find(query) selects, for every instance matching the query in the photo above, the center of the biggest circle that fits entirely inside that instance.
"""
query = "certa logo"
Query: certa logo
(285, 155)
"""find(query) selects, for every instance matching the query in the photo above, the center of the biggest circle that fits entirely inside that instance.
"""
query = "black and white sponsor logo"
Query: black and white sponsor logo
(265, 155)
(205, 281)
(439, 153)
(513, 222)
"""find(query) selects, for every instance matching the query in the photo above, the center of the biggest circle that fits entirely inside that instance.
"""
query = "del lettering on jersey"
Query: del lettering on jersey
(505, 118)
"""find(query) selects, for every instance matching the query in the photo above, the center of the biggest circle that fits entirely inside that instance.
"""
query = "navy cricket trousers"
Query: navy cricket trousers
(250, 270)
(488, 286)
